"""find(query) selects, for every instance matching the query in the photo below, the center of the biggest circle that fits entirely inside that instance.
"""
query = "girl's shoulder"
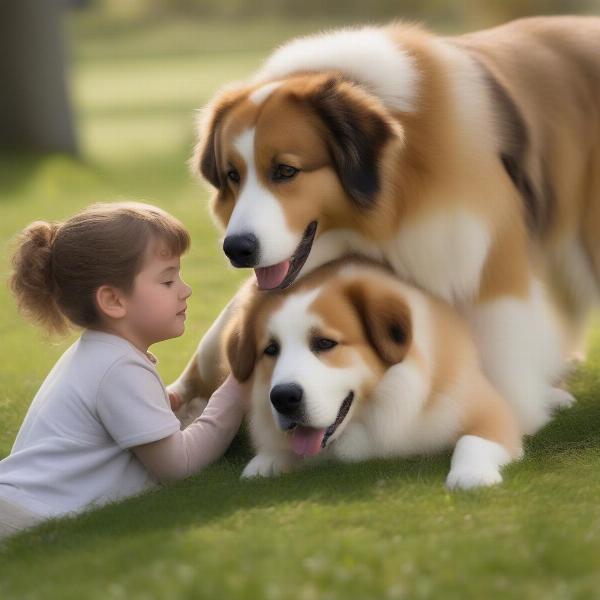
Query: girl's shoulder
(92, 362)
(103, 350)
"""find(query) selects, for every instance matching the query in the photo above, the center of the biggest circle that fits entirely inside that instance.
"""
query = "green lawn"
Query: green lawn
(383, 529)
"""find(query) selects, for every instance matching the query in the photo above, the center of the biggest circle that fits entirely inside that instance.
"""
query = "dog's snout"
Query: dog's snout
(286, 398)
(241, 250)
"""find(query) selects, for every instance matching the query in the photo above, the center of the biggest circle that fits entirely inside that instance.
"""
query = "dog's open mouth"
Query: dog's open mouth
(307, 441)
(283, 274)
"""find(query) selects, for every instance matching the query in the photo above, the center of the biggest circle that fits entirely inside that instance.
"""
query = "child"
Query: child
(101, 427)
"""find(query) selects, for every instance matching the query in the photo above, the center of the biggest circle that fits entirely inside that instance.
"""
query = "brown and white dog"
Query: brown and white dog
(469, 164)
(352, 364)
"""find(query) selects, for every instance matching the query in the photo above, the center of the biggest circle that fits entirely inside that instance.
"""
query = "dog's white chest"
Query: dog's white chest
(442, 253)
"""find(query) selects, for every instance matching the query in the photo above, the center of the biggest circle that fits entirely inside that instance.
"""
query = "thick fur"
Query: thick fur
(408, 359)
(470, 165)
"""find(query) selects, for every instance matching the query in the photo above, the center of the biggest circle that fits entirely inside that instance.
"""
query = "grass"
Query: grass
(383, 529)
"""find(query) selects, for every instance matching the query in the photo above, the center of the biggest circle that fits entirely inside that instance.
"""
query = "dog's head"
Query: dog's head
(292, 159)
(316, 352)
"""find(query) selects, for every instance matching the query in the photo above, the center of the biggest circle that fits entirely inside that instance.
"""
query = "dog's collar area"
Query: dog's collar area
(343, 412)
(300, 255)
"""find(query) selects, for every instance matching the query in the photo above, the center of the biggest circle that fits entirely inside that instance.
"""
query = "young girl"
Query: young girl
(101, 426)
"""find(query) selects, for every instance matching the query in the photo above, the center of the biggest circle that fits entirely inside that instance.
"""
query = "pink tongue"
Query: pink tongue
(272, 277)
(307, 441)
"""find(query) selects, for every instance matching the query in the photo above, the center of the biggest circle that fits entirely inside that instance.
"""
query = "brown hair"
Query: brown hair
(59, 266)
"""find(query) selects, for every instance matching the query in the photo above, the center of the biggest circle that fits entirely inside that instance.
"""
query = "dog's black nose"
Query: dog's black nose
(241, 250)
(286, 398)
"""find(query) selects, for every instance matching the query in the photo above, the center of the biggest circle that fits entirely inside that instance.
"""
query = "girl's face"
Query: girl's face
(157, 305)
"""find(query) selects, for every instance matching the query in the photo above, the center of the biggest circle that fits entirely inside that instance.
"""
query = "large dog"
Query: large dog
(350, 363)
(470, 165)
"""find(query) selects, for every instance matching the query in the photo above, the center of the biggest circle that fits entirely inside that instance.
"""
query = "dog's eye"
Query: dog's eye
(283, 172)
(322, 344)
(233, 175)
(272, 349)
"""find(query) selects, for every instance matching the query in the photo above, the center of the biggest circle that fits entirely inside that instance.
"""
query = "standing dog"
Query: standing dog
(470, 165)
(353, 364)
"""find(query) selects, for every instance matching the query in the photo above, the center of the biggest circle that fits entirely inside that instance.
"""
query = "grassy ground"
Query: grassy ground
(384, 529)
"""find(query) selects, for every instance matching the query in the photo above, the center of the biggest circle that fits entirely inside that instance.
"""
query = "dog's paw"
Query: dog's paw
(266, 465)
(468, 478)
(575, 363)
(559, 399)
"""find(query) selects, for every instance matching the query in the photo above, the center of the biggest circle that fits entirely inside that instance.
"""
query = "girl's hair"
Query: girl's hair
(59, 266)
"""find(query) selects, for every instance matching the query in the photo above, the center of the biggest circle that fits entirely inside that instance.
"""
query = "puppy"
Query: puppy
(352, 364)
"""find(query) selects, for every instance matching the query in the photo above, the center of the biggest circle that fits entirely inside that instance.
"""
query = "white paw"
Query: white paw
(468, 478)
(476, 462)
(267, 465)
(353, 444)
(558, 399)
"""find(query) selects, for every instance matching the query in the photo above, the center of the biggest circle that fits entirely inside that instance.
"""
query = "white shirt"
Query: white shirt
(102, 397)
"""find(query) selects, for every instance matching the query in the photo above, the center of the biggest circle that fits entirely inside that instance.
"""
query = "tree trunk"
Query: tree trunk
(35, 112)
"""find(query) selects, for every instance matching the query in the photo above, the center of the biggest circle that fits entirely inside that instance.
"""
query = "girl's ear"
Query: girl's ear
(241, 347)
(386, 320)
(111, 302)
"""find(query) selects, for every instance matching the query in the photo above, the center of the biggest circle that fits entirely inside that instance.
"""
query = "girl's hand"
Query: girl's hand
(231, 387)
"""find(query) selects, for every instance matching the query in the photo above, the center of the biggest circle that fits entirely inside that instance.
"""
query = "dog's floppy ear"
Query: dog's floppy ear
(386, 320)
(358, 129)
(241, 346)
(205, 157)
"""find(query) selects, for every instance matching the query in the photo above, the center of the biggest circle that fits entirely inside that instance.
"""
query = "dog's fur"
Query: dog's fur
(470, 165)
(407, 361)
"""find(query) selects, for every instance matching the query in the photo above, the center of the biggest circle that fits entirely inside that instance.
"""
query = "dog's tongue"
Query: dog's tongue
(307, 441)
(273, 276)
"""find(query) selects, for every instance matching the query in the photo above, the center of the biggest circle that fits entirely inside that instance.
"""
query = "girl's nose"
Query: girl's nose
(187, 291)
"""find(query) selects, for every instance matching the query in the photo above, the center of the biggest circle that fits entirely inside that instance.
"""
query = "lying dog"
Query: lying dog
(352, 364)
(470, 164)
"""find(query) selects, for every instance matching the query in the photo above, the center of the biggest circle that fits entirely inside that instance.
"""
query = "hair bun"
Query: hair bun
(32, 281)
(42, 234)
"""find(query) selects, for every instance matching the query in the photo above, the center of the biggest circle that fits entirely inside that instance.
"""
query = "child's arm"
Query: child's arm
(200, 443)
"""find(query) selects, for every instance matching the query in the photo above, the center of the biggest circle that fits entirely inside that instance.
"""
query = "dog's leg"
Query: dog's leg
(490, 440)
(207, 368)
(522, 354)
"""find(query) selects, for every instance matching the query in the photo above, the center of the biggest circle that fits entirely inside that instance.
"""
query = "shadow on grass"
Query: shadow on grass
(218, 492)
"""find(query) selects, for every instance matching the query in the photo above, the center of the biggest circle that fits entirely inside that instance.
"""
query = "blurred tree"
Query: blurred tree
(35, 112)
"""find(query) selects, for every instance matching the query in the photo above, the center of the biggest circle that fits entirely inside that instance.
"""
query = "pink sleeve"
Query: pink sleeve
(203, 441)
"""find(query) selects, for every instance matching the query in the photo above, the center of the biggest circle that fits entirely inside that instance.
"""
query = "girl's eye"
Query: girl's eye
(233, 175)
(322, 344)
(283, 172)
(168, 283)
(272, 349)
